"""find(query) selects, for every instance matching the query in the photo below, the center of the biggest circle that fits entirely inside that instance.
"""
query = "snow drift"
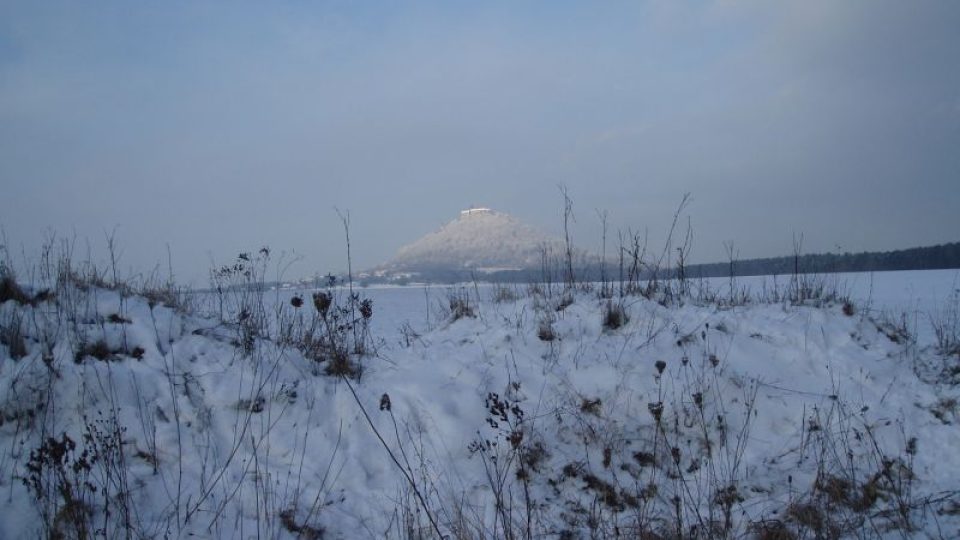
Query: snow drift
(123, 417)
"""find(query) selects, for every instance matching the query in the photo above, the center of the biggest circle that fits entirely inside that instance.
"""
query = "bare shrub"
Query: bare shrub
(773, 529)
(336, 331)
(509, 454)
(459, 303)
(897, 330)
(59, 480)
(502, 293)
(330, 335)
(10, 290)
(946, 326)
(545, 331)
(167, 294)
(614, 315)
(568, 276)
(288, 518)
(240, 289)
(98, 349)
(11, 335)
(340, 364)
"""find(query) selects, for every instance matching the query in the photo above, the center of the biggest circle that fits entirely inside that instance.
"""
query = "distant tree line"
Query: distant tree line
(920, 258)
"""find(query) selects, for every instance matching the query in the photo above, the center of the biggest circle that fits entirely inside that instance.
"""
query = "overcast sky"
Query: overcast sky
(219, 127)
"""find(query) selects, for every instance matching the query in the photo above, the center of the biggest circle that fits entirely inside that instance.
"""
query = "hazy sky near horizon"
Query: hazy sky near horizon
(217, 127)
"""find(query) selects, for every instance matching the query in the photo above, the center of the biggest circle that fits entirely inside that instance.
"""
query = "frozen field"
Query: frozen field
(914, 293)
(535, 415)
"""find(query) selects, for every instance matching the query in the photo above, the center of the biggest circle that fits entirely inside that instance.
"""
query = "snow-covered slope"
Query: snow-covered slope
(480, 239)
(810, 421)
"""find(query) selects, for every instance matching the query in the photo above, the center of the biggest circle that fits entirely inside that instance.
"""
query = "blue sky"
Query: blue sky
(215, 127)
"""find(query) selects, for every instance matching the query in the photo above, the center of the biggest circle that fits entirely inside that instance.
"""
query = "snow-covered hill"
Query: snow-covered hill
(479, 239)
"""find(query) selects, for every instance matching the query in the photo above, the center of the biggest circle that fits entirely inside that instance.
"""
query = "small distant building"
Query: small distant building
(474, 212)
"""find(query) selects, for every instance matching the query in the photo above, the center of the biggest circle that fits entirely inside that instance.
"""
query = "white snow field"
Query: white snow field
(525, 417)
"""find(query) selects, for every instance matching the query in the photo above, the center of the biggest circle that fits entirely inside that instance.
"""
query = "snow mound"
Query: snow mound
(714, 422)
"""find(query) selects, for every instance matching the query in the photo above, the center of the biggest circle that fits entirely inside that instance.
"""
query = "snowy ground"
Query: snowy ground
(529, 418)
(914, 294)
